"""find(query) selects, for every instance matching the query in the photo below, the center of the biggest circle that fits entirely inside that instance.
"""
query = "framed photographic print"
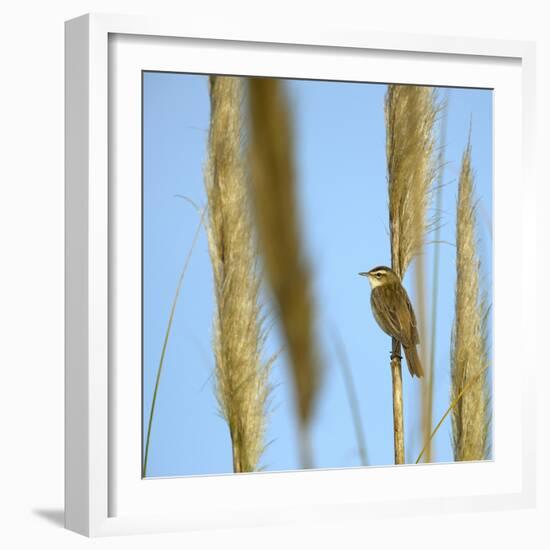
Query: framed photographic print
(289, 287)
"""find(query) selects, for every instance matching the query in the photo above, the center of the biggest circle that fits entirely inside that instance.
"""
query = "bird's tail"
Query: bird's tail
(413, 361)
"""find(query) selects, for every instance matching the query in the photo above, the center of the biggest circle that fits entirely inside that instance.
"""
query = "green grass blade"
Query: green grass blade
(166, 338)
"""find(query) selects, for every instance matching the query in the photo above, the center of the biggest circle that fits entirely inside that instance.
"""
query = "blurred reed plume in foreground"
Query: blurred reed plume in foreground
(274, 192)
(469, 357)
(241, 376)
(410, 114)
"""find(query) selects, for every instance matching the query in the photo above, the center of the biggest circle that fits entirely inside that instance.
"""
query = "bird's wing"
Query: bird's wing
(382, 313)
(394, 313)
(383, 307)
(413, 326)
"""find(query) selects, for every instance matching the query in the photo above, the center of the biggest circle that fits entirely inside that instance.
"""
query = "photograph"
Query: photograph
(316, 274)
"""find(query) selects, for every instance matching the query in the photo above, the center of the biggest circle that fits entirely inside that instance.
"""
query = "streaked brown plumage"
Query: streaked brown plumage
(394, 314)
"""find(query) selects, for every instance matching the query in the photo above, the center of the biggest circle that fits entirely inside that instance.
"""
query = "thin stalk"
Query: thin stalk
(430, 381)
(450, 408)
(425, 386)
(305, 447)
(397, 392)
(165, 343)
(395, 361)
(352, 399)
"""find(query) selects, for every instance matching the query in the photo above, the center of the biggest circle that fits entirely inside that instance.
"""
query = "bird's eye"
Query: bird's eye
(378, 275)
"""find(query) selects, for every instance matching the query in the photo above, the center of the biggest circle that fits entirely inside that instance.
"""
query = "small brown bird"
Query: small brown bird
(394, 314)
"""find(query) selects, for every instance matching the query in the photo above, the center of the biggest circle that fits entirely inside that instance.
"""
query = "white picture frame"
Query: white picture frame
(104, 492)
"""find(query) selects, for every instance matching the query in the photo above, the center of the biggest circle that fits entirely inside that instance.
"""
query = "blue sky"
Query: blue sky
(341, 172)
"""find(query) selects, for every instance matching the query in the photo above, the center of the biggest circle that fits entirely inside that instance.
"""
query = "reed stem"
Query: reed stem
(426, 387)
(410, 113)
(429, 405)
(397, 391)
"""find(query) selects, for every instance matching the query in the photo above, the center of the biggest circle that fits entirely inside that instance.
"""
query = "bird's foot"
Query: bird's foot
(394, 355)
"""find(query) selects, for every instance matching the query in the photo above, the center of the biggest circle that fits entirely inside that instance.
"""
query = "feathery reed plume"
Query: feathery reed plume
(410, 113)
(241, 376)
(410, 116)
(469, 340)
(277, 219)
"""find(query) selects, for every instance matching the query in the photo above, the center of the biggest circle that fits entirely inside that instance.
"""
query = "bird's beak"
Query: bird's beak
(364, 274)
